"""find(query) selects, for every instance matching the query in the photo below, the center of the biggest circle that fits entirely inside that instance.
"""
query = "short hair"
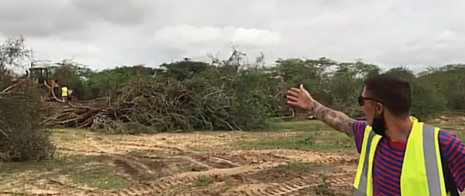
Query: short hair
(393, 92)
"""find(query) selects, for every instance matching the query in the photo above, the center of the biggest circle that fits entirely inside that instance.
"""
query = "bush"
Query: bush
(192, 104)
(22, 136)
(426, 100)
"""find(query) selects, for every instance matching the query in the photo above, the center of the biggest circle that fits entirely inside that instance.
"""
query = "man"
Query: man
(64, 93)
(398, 154)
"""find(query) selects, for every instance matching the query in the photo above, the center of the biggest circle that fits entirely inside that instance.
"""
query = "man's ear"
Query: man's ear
(379, 108)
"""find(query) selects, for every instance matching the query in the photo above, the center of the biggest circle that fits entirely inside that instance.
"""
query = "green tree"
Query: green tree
(185, 69)
(13, 51)
(449, 80)
(73, 75)
(402, 72)
(100, 83)
(426, 100)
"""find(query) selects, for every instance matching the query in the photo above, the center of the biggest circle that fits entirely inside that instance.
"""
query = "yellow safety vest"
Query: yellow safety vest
(64, 91)
(421, 173)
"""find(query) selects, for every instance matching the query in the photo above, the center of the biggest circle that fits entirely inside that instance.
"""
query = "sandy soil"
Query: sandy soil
(209, 154)
(174, 163)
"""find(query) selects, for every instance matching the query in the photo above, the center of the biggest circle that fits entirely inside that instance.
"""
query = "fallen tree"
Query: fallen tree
(167, 104)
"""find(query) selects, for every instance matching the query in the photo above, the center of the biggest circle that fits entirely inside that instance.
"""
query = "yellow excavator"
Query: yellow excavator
(42, 75)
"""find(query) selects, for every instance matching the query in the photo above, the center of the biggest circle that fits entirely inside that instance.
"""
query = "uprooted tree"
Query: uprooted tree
(213, 98)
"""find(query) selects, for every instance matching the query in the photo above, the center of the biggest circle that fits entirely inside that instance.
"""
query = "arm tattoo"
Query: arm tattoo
(335, 119)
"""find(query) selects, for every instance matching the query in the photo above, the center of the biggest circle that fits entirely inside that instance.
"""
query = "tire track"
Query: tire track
(192, 160)
(296, 186)
(242, 163)
(120, 147)
(336, 159)
(132, 163)
(150, 145)
(293, 185)
(223, 161)
(165, 183)
(301, 155)
(197, 158)
(211, 161)
(244, 157)
(81, 151)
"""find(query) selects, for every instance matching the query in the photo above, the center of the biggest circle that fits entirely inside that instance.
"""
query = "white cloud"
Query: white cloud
(198, 42)
(189, 35)
(255, 38)
(115, 32)
(450, 36)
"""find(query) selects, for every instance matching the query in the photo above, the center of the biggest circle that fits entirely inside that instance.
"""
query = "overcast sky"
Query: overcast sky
(107, 33)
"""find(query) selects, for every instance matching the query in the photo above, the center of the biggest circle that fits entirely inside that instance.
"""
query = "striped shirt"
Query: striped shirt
(389, 156)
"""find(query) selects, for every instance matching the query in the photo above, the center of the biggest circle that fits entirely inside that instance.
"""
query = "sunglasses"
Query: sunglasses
(361, 100)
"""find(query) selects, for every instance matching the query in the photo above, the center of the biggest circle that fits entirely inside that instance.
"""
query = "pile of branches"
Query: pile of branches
(22, 134)
(71, 114)
(163, 104)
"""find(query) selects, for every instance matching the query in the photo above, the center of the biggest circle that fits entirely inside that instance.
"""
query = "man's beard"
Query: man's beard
(379, 126)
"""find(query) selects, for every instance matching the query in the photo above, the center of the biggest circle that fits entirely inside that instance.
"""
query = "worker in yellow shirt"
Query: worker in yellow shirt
(64, 93)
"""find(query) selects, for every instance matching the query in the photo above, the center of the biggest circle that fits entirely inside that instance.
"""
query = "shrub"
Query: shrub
(22, 135)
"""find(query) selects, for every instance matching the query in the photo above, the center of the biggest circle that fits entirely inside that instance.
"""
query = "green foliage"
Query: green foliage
(298, 126)
(324, 187)
(228, 101)
(103, 177)
(255, 98)
(185, 69)
(234, 96)
(402, 72)
(310, 73)
(203, 180)
(449, 81)
(426, 100)
(336, 85)
(12, 52)
(22, 136)
(101, 83)
(301, 141)
(71, 75)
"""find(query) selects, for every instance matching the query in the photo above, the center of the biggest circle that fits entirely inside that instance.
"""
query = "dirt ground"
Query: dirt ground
(198, 163)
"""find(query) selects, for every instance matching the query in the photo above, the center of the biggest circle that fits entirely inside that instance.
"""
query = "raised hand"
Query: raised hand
(300, 97)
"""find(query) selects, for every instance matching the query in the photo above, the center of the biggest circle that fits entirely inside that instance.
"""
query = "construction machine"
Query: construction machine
(41, 73)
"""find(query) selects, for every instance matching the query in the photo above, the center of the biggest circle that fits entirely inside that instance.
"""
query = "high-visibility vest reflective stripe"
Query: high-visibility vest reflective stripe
(421, 169)
(363, 179)
(360, 182)
(64, 91)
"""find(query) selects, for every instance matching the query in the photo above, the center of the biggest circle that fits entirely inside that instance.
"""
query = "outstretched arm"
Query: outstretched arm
(301, 98)
(333, 118)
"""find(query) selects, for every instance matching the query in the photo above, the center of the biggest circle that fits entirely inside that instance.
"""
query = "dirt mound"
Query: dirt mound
(249, 157)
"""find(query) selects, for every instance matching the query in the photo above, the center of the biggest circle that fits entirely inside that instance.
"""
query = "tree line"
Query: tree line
(335, 84)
